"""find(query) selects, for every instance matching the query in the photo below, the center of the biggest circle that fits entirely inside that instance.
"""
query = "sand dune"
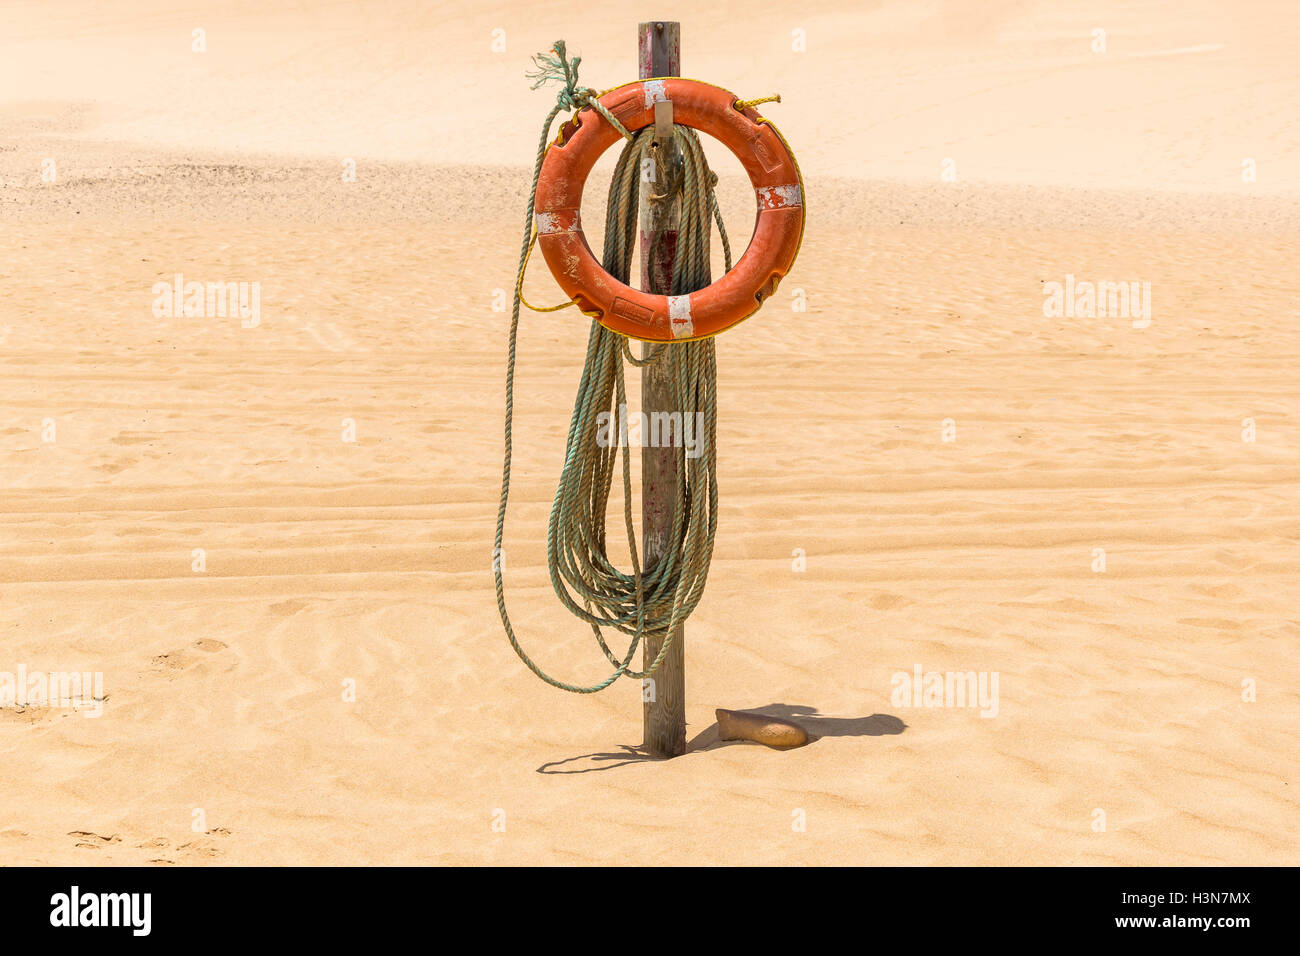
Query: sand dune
(338, 568)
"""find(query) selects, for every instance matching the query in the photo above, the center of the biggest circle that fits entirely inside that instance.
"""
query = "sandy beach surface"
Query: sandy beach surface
(274, 542)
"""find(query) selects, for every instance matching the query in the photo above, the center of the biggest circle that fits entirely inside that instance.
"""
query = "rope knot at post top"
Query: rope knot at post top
(571, 96)
(555, 67)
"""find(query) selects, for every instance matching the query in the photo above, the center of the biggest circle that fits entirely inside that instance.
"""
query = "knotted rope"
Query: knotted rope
(588, 583)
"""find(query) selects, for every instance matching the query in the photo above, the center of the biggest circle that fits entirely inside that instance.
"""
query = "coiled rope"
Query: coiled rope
(658, 598)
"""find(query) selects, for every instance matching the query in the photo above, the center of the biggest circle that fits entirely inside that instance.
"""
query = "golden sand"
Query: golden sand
(332, 685)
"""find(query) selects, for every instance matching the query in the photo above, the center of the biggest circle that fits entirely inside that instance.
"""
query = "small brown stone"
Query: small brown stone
(760, 728)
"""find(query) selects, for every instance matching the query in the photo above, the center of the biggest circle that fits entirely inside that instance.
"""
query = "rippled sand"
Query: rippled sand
(336, 569)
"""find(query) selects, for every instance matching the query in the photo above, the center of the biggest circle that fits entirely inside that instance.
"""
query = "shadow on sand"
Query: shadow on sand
(817, 726)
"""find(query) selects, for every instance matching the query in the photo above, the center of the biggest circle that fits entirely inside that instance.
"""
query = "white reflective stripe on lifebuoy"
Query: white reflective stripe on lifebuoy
(654, 93)
(779, 197)
(566, 220)
(679, 316)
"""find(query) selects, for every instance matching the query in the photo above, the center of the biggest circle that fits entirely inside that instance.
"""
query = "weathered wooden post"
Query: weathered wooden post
(665, 698)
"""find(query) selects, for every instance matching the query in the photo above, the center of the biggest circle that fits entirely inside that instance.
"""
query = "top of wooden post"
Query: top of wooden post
(660, 48)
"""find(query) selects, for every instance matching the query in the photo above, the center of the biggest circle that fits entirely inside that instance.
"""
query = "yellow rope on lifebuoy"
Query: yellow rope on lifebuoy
(519, 287)
(748, 104)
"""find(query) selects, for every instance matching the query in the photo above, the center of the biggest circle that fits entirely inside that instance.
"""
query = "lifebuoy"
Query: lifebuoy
(731, 299)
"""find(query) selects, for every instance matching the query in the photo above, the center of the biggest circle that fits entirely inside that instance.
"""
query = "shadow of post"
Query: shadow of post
(817, 725)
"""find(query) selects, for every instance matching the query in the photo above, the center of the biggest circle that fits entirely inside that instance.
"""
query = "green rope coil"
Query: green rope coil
(584, 576)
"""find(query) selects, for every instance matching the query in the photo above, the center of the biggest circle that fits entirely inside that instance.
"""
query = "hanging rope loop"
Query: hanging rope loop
(583, 573)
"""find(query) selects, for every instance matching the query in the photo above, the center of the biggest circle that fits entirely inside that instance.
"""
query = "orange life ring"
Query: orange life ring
(731, 299)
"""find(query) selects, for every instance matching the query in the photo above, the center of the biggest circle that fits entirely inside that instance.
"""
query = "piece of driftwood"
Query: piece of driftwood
(760, 728)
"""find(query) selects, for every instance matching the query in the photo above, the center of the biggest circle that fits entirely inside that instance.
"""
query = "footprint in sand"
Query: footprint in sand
(887, 602)
(192, 848)
(179, 660)
(157, 843)
(26, 715)
(197, 848)
(287, 608)
(93, 841)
